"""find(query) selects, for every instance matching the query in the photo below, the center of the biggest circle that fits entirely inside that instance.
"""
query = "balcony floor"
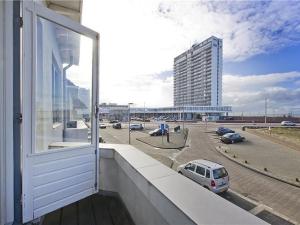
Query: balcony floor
(93, 210)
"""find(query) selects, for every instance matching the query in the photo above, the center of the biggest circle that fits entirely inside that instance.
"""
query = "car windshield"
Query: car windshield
(220, 173)
(228, 135)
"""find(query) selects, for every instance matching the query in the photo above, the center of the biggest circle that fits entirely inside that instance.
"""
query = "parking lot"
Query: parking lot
(261, 154)
(265, 192)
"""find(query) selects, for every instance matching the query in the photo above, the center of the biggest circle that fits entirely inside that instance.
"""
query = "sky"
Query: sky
(140, 38)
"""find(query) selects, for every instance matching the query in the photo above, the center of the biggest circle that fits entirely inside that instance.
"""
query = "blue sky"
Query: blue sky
(283, 60)
(139, 40)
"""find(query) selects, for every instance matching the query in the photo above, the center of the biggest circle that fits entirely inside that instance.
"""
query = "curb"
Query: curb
(256, 170)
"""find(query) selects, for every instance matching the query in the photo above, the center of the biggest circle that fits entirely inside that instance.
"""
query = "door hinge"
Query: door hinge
(19, 117)
(21, 199)
(20, 21)
(96, 110)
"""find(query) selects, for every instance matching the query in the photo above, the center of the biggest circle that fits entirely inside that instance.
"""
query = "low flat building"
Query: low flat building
(112, 111)
(210, 113)
(120, 112)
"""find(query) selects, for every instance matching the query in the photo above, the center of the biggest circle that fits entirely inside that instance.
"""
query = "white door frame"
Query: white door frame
(45, 174)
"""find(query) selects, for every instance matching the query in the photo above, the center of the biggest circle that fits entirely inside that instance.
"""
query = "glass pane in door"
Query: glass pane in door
(63, 87)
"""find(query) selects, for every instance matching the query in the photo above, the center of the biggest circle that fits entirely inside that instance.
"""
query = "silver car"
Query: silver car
(136, 127)
(288, 123)
(210, 175)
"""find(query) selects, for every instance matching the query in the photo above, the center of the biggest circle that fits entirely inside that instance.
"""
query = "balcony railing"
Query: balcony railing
(155, 194)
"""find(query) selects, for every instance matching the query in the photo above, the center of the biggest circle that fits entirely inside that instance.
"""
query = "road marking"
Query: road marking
(258, 209)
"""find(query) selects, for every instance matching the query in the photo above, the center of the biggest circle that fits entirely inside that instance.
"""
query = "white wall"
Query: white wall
(139, 196)
(6, 114)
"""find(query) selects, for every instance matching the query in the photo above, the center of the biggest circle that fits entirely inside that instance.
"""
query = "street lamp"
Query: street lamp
(129, 122)
(144, 114)
(266, 108)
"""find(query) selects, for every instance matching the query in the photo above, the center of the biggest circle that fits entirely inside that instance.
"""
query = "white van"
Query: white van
(210, 175)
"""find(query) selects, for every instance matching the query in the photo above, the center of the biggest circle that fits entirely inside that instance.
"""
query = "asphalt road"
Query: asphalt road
(278, 196)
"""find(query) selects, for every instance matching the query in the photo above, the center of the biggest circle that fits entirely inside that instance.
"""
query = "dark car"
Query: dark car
(113, 121)
(223, 130)
(231, 138)
(157, 132)
(117, 125)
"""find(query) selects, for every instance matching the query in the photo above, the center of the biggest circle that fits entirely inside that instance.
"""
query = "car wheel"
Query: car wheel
(180, 172)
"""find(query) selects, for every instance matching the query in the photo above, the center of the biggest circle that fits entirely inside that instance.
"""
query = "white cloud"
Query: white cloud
(147, 89)
(248, 28)
(139, 37)
(248, 93)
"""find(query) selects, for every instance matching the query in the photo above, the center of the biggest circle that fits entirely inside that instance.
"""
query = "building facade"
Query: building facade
(112, 111)
(198, 75)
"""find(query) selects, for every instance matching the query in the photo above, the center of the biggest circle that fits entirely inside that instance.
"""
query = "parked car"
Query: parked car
(136, 127)
(231, 138)
(157, 132)
(210, 175)
(102, 126)
(287, 123)
(113, 121)
(223, 130)
(117, 125)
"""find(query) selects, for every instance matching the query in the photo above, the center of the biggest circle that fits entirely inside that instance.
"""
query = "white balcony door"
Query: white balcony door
(59, 106)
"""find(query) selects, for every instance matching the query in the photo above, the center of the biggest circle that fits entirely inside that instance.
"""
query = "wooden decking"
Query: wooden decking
(94, 210)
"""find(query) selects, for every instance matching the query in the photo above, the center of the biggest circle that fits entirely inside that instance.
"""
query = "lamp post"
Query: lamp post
(129, 122)
(266, 108)
(144, 114)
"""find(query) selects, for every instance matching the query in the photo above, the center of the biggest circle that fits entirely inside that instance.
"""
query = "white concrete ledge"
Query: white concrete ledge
(156, 194)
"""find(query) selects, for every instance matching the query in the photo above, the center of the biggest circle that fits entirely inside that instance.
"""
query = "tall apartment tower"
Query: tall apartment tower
(198, 75)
